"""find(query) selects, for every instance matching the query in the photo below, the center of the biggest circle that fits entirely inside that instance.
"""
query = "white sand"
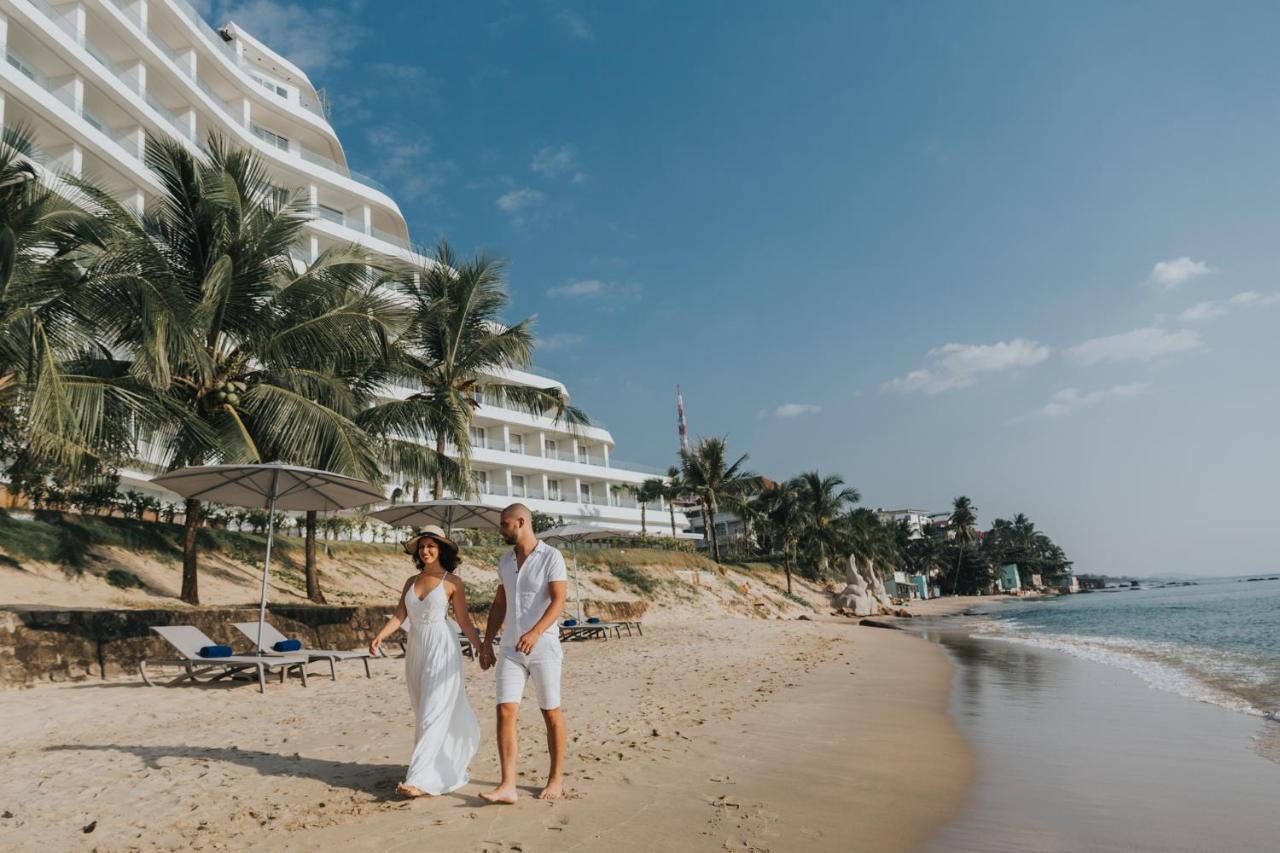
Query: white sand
(724, 733)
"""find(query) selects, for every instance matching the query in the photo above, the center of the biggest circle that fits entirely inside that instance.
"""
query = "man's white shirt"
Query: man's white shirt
(528, 592)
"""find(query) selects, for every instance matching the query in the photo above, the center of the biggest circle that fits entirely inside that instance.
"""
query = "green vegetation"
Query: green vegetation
(124, 579)
(634, 579)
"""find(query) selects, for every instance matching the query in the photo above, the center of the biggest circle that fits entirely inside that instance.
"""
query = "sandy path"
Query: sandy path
(720, 734)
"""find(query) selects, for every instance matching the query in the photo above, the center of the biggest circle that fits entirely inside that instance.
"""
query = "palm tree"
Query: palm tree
(784, 520)
(714, 482)
(64, 403)
(645, 492)
(822, 502)
(456, 350)
(964, 515)
(674, 489)
(249, 358)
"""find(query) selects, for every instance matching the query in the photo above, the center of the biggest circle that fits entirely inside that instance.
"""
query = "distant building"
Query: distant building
(1009, 580)
(917, 519)
(1068, 584)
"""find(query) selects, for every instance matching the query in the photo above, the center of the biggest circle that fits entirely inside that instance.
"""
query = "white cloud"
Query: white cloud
(304, 34)
(590, 287)
(1138, 345)
(573, 24)
(594, 288)
(1218, 307)
(960, 365)
(795, 410)
(516, 202)
(551, 343)
(1170, 274)
(553, 161)
(1069, 400)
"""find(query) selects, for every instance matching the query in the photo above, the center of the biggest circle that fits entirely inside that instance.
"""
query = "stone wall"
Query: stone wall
(70, 645)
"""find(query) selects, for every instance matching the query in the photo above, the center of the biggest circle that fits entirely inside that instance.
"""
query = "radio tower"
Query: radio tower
(684, 430)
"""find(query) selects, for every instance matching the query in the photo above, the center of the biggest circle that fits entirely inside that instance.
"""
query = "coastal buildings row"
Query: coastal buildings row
(92, 79)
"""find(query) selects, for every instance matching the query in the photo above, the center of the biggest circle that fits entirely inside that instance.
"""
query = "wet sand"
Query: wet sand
(714, 734)
(1073, 755)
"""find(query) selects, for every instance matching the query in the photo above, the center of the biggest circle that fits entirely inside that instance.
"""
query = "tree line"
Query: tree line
(812, 522)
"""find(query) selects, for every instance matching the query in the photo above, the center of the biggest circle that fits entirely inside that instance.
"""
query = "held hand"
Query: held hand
(486, 656)
(527, 642)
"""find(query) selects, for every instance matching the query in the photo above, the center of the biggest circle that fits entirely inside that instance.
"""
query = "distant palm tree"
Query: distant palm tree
(249, 358)
(456, 351)
(784, 520)
(644, 492)
(710, 478)
(822, 502)
(673, 490)
(964, 515)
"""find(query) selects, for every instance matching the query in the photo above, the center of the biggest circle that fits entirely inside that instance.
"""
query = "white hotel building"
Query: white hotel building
(92, 78)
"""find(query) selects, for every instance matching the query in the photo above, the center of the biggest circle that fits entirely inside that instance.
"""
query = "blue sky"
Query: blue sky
(1022, 252)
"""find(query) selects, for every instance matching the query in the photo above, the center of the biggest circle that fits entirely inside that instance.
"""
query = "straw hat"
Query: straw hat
(433, 531)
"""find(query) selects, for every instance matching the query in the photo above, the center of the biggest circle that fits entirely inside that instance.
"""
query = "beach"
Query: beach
(707, 734)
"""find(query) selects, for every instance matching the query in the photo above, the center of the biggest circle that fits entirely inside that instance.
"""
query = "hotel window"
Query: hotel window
(482, 481)
(553, 490)
(584, 492)
(477, 436)
(582, 453)
(552, 448)
(517, 486)
(270, 138)
(517, 443)
(332, 214)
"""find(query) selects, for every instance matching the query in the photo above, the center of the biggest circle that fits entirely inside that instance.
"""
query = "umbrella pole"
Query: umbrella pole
(266, 563)
(577, 590)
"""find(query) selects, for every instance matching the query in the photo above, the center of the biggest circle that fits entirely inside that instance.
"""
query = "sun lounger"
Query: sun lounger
(189, 640)
(583, 631)
(270, 636)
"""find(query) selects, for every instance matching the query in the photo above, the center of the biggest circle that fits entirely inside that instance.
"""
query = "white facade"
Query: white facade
(917, 519)
(91, 78)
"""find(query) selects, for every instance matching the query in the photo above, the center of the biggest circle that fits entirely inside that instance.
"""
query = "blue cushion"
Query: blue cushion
(215, 652)
(593, 620)
(287, 646)
(569, 623)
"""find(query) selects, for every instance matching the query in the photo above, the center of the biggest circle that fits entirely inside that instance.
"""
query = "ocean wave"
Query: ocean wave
(1237, 682)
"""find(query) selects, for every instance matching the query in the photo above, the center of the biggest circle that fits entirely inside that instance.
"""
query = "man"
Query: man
(532, 584)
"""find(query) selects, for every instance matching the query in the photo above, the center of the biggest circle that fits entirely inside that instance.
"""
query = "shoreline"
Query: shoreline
(730, 732)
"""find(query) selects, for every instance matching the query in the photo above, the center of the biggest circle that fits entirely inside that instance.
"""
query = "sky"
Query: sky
(1020, 252)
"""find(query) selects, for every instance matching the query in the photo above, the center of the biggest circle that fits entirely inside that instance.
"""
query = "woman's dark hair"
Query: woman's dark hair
(449, 559)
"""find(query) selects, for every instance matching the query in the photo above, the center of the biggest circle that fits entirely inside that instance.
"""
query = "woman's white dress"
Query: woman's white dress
(447, 734)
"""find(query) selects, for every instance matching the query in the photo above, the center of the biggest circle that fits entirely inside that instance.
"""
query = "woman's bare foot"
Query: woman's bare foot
(503, 794)
(409, 791)
(553, 791)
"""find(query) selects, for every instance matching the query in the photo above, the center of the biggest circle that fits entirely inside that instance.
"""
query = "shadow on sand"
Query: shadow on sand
(376, 780)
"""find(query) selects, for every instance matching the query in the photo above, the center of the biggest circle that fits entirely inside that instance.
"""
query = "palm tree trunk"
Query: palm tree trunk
(672, 507)
(786, 566)
(314, 593)
(715, 539)
(190, 528)
(437, 490)
(706, 526)
(644, 531)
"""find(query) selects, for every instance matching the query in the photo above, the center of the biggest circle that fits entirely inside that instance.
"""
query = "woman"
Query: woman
(447, 732)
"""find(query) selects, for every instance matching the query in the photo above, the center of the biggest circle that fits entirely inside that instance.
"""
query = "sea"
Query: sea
(1131, 720)
(1215, 641)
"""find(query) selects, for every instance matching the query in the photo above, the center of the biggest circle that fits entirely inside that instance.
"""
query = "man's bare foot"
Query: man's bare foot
(503, 794)
(553, 791)
(409, 791)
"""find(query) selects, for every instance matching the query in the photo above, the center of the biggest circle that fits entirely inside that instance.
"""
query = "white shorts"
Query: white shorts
(514, 669)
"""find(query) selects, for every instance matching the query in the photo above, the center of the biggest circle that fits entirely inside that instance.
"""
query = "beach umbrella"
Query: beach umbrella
(572, 534)
(464, 515)
(270, 486)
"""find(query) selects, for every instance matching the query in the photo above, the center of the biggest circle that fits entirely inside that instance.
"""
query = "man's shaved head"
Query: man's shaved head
(516, 524)
(518, 511)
